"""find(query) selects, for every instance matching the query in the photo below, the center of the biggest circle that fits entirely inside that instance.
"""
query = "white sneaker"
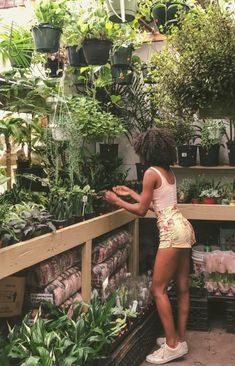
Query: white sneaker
(166, 354)
(161, 340)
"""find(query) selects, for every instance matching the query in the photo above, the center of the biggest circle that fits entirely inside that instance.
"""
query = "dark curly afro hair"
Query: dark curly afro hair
(156, 147)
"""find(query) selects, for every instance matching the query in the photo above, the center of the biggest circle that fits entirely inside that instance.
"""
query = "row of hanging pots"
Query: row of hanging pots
(166, 14)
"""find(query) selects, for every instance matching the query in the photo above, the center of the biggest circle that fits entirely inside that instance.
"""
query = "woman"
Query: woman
(156, 149)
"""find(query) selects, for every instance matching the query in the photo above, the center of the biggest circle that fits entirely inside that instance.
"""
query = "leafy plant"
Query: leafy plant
(211, 192)
(51, 12)
(182, 129)
(211, 133)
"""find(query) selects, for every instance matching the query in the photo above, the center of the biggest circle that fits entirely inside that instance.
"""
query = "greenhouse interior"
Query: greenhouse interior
(117, 182)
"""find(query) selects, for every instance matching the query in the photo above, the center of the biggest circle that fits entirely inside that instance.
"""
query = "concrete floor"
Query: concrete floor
(213, 348)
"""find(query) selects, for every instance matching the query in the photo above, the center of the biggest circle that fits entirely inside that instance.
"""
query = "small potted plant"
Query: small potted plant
(211, 133)
(184, 190)
(51, 17)
(210, 196)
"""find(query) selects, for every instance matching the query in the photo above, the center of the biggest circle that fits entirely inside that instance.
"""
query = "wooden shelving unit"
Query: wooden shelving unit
(25, 254)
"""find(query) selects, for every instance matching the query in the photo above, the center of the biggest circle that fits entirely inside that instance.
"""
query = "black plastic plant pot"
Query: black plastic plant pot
(122, 56)
(55, 68)
(187, 155)
(231, 152)
(166, 14)
(76, 56)
(22, 60)
(114, 10)
(96, 51)
(22, 165)
(108, 151)
(159, 13)
(89, 216)
(46, 38)
(209, 157)
(140, 170)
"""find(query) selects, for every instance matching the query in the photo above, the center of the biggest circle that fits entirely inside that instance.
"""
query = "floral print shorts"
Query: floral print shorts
(174, 229)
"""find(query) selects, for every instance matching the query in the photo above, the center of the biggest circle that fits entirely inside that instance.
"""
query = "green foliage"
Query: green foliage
(197, 68)
(51, 12)
(182, 129)
(211, 133)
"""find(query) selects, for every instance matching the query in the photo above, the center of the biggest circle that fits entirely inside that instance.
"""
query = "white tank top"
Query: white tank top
(164, 196)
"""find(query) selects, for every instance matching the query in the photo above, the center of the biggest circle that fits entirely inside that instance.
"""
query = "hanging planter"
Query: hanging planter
(122, 76)
(96, 51)
(109, 151)
(55, 68)
(209, 157)
(76, 56)
(166, 14)
(46, 38)
(58, 132)
(187, 155)
(120, 11)
(122, 56)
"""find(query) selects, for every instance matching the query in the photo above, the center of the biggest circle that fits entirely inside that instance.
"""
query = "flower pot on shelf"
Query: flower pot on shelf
(196, 200)
(209, 200)
(46, 38)
(122, 56)
(76, 56)
(115, 12)
(231, 152)
(96, 51)
(209, 157)
(108, 151)
(187, 155)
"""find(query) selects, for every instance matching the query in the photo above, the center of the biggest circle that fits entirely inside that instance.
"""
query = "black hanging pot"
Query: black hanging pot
(108, 151)
(46, 38)
(140, 170)
(209, 157)
(166, 13)
(76, 56)
(22, 60)
(122, 56)
(55, 68)
(114, 10)
(231, 152)
(187, 155)
(96, 51)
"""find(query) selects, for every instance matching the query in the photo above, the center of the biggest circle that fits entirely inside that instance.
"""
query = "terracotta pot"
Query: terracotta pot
(209, 200)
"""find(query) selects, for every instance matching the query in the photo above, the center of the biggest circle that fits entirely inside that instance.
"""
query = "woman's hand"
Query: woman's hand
(122, 190)
(111, 197)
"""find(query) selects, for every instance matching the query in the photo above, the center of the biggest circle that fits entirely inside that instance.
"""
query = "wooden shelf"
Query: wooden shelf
(205, 212)
(196, 167)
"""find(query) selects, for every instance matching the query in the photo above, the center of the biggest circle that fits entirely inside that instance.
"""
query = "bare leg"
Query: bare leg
(165, 267)
(181, 278)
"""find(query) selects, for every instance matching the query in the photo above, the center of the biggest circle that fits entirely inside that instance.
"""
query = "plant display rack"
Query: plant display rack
(25, 254)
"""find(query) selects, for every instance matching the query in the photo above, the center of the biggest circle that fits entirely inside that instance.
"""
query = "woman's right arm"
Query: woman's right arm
(126, 191)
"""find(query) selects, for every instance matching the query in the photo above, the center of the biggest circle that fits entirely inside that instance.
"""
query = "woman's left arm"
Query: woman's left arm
(141, 207)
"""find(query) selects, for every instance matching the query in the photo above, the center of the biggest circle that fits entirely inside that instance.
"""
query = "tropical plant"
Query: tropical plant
(192, 73)
(51, 12)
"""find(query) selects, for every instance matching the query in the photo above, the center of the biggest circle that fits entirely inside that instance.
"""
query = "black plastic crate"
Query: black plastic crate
(137, 345)
(230, 316)
(198, 313)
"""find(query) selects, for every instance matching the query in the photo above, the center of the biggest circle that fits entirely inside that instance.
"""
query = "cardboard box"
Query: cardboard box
(12, 290)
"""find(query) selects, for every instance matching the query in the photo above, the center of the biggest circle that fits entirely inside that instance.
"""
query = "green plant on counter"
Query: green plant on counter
(59, 204)
(184, 193)
(210, 192)
(51, 12)
(182, 129)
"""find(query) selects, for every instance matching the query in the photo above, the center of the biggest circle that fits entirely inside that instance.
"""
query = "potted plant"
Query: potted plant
(209, 196)
(117, 14)
(51, 17)
(166, 13)
(231, 141)
(17, 46)
(181, 86)
(199, 184)
(184, 190)
(211, 133)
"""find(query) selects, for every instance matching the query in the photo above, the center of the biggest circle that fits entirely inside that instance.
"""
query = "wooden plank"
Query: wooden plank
(134, 257)
(86, 270)
(197, 167)
(25, 254)
(204, 212)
